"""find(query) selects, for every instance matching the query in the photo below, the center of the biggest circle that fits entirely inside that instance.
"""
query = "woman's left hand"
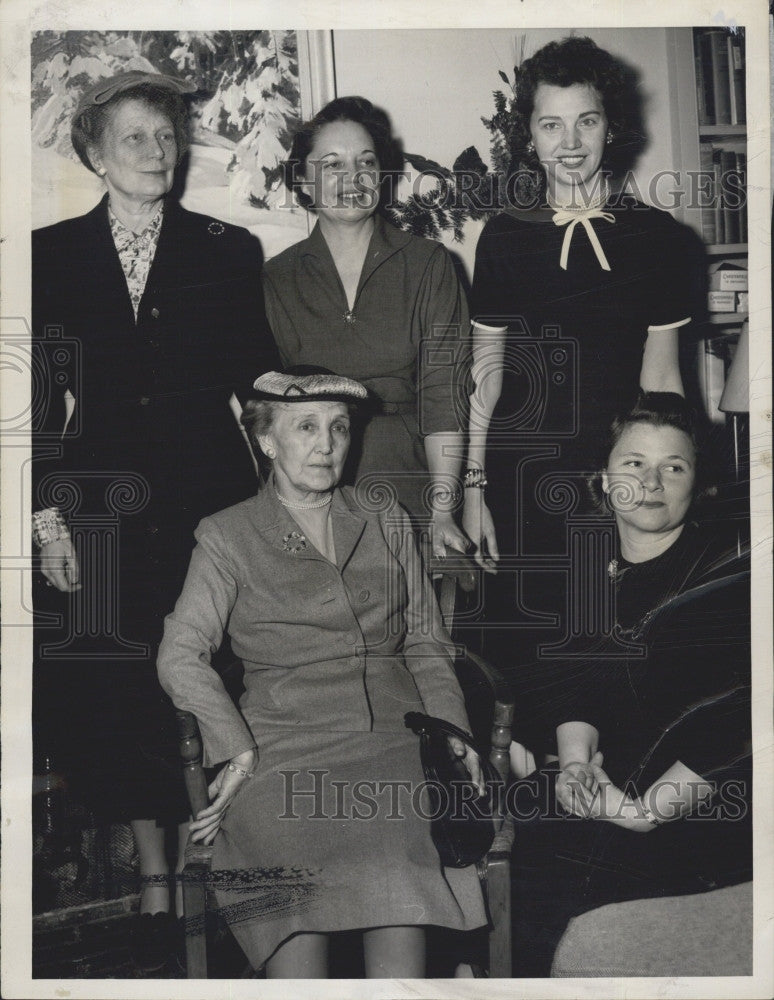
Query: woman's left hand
(601, 802)
(479, 527)
(471, 761)
(444, 532)
(606, 802)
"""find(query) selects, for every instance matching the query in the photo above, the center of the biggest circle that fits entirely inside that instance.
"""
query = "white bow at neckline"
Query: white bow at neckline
(566, 217)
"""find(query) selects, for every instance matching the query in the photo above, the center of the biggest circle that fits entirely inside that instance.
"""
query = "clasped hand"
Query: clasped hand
(578, 787)
(586, 791)
(444, 532)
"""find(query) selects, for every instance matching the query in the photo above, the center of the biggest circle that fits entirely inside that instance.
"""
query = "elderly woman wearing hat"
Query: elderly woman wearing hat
(163, 314)
(316, 805)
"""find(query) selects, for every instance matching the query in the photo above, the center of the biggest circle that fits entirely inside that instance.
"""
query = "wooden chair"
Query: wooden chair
(198, 857)
(455, 577)
(494, 869)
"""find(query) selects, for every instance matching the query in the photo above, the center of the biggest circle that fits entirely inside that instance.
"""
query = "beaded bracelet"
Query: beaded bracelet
(475, 478)
(240, 770)
(48, 526)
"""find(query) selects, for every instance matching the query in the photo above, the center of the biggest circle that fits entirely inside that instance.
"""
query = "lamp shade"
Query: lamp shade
(736, 394)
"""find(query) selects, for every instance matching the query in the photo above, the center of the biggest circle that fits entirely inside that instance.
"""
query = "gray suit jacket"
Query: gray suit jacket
(345, 648)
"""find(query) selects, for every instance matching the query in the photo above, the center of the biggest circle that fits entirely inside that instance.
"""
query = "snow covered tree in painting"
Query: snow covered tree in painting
(246, 102)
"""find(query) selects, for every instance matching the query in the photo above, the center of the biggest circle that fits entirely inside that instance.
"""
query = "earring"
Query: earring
(271, 453)
(101, 172)
(609, 138)
(530, 146)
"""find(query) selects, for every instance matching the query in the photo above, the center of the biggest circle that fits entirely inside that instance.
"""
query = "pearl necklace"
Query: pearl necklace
(314, 505)
(573, 206)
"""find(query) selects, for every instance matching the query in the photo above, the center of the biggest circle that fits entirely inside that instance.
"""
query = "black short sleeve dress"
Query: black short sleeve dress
(573, 356)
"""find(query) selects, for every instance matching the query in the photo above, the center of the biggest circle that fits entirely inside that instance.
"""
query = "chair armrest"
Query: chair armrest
(191, 754)
(456, 570)
(502, 715)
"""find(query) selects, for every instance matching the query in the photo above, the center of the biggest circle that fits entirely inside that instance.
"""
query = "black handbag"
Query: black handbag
(462, 824)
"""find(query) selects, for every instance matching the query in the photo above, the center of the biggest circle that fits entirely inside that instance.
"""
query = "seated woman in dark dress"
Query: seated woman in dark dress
(669, 714)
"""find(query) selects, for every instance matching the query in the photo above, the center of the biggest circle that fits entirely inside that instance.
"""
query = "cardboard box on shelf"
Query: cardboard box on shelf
(728, 277)
(719, 302)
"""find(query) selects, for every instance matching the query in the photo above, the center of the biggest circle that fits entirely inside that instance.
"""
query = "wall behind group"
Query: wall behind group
(436, 85)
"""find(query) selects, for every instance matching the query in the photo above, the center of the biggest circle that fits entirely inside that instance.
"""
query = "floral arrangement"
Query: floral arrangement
(469, 190)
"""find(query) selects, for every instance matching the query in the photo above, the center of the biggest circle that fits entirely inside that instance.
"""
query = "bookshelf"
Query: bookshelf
(719, 85)
(710, 136)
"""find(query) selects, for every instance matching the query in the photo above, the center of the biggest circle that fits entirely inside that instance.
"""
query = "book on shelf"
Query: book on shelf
(728, 197)
(717, 85)
(704, 112)
(720, 218)
(735, 45)
(720, 83)
(723, 212)
(741, 171)
(709, 229)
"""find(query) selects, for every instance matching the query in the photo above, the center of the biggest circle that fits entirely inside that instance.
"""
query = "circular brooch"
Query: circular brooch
(216, 228)
(294, 542)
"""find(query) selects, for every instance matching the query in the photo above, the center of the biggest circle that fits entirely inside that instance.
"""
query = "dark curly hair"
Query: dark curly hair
(662, 409)
(88, 129)
(564, 63)
(343, 109)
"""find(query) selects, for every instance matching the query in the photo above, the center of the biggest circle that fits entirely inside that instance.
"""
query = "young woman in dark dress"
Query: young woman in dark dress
(578, 297)
(669, 717)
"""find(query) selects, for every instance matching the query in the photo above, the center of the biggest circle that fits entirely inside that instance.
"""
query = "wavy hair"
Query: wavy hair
(661, 409)
(578, 60)
(343, 109)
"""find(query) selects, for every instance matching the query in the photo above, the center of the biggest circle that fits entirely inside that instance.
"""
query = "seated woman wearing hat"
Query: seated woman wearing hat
(316, 810)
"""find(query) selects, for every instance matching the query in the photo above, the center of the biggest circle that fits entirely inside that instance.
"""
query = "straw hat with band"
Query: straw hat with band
(307, 383)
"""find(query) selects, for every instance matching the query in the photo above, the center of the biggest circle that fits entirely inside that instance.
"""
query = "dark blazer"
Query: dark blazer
(152, 397)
